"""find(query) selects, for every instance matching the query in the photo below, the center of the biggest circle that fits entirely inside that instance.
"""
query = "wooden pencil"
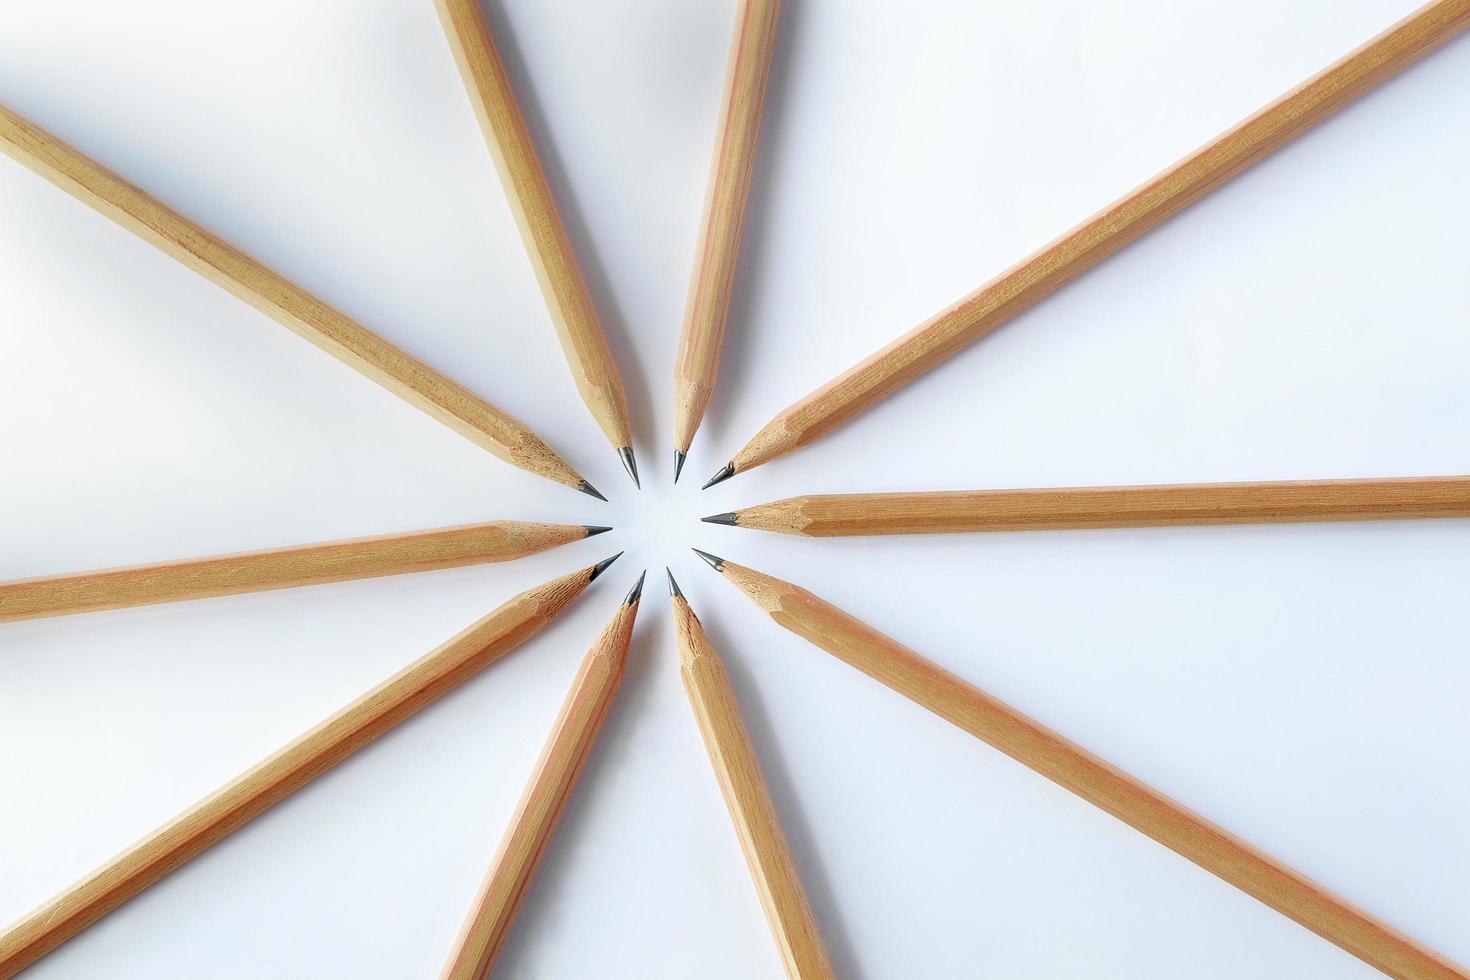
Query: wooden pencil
(552, 781)
(1074, 768)
(850, 514)
(287, 303)
(1037, 276)
(278, 776)
(708, 307)
(563, 286)
(737, 768)
(282, 568)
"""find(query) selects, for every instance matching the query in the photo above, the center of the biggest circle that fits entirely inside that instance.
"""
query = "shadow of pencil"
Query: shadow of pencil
(630, 366)
(738, 357)
(799, 833)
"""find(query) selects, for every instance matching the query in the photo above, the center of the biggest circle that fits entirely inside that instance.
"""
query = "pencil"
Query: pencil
(278, 776)
(282, 568)
(287, 303)
(737, 768)
(550, 248)
(1037, 276)
(718, 252)
(1074, 768)
(555, 776)
(849, 514)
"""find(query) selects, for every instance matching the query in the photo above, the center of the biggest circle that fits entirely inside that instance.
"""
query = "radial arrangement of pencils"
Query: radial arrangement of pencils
(796, 928)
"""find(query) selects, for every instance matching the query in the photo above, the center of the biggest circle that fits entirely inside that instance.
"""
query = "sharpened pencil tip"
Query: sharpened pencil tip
(630, 464)
(678, 464)
(720, 477)
(674, 592)
(637, 590)
(715, 562)
(591, 491)
(595, 529)
(601, 567)
(721, 519)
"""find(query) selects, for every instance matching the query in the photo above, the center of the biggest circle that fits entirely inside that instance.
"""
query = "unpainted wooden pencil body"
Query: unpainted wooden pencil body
(1037, 276)
(289, 769)
(280, 568)
(287, 303)
(718, 251)
(837, 515)
(1074, 768)
(547, 243)
(744, 787)
(555, 776)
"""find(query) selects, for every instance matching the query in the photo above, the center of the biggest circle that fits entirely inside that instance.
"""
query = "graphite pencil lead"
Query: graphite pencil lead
(595, 529)
(674, 592)
(601, 567)
(590, 490)
(715, 561)
(720, 477)
(636, 592)
(721, 519)
(678, 464)
(630, 464)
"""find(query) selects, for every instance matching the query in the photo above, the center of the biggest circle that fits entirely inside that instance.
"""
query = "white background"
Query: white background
(1304, 686)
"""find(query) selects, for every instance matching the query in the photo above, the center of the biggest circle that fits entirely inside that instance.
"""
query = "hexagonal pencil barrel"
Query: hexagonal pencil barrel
(1100, 783)
(548, 245)
(1167, 505)
(282, 568)
(529, 835)
(757, 824)
(278, 776)
(1035, 277)
(696, 366)
(287, 303)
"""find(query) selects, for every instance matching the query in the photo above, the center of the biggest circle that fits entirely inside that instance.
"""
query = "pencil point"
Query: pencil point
(637, 590)
(595, 529)
(591, 491)
(678, 464)
(720, 477)
(630, 464)
(721, 519)
(601, 567)
(718, 564)
(674, 592)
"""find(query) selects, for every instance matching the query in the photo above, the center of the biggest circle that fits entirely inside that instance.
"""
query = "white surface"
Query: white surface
(1304, 686)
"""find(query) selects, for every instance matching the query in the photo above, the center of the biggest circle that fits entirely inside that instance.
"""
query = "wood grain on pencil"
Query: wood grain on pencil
(1074, 768)
(333, 331)
(1038, 275)
(555, 776)
(718, 251)
(280, 568)
(749, 801)
(843, 514)
(280, 775)
(545, 235)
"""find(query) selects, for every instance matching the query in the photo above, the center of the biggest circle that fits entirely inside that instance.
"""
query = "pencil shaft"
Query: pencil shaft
(1035, 277)
(278, 776)
(555, 776)
(547, 243)
(749, 801)
(837, 515)
(1074, 768)
(334, 332)
(280, 568)
(718, 252)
